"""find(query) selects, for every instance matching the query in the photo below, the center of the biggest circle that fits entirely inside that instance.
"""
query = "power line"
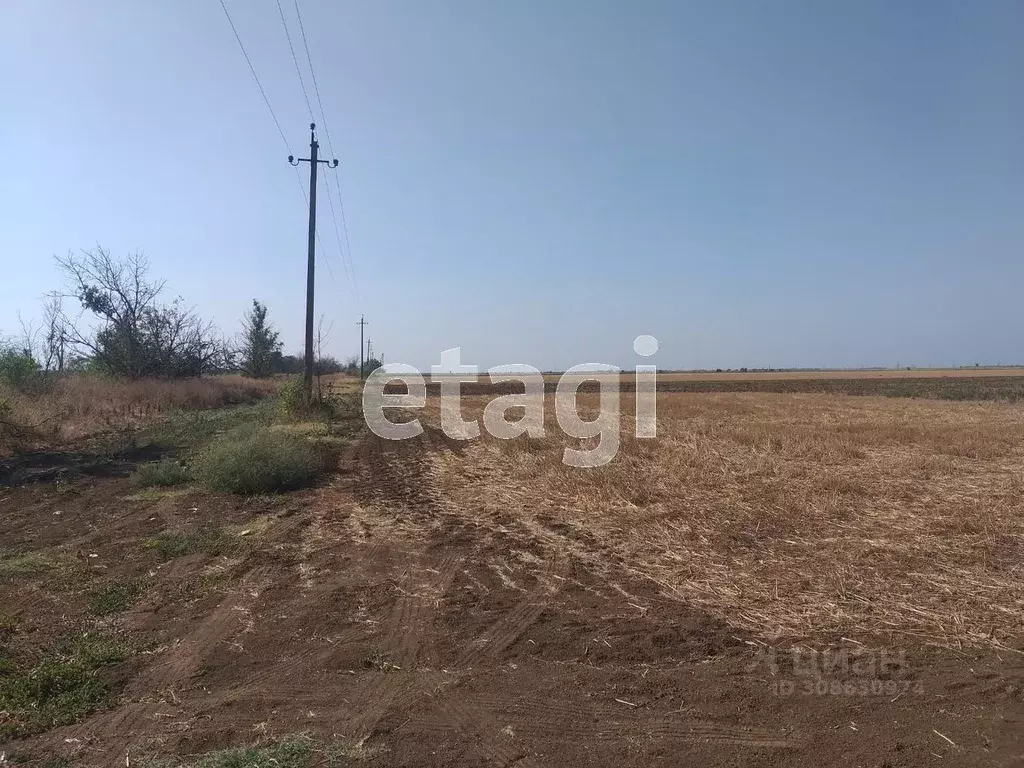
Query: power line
(305, 196)
(298, 70)
(344, 264)
(256, 78)
(347, 263)
(270, 109)
(344, 223)
(330, 145)
(263, 93)
(312, 117)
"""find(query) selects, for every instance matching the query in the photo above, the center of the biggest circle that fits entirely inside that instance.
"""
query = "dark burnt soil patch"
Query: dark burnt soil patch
(66, 466)
(115, 455)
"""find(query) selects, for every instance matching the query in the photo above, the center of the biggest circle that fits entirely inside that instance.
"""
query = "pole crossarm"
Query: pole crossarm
(296, 160)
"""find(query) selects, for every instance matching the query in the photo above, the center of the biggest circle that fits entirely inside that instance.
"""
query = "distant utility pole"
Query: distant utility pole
(362, 325)
(369, 349)
(311, 262)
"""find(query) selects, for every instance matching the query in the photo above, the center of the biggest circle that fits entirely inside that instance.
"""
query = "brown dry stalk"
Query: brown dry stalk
(794, 516)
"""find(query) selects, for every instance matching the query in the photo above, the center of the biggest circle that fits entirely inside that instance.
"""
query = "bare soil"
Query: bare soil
(369, 610)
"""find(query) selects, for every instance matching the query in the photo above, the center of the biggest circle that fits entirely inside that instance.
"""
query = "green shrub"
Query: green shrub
(258, 460)
(296, 751)
(160, 473)
(114, 597)
(61, 688)
(18, 369)
(291, 398)
(203, 537)
(14, 564)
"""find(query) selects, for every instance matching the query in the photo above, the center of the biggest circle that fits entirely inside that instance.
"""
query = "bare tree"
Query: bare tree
(117, 292)
(56, 327)
(136, 336)
(28, 343)
(321, 338)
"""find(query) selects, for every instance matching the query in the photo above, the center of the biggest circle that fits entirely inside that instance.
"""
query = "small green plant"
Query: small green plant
(295, 751)
(207, 537)
(162, 474)
(292, 403)
(114, 597)
(291, 398)
(189, 429)
(25, 564)
(258, 460)
(61, 687)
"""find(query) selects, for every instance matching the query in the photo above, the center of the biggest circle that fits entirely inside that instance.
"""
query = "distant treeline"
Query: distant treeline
(111, 317)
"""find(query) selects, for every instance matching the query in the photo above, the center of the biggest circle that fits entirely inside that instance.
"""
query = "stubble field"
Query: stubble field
(448, 603)
(799, 517)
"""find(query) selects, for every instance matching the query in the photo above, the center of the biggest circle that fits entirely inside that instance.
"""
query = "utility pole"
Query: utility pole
(369, 349)
(362, 324)
(311, 257)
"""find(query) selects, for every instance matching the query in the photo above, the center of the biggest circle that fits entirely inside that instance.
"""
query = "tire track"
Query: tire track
(547, 720)
(414, 614)
(185, 658)
(105, 731)
(405, 630)
(490, 740)
(504, 632)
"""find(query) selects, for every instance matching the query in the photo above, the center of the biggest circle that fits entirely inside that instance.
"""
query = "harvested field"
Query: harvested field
(447, 603)
(994, 384)
(804, 518)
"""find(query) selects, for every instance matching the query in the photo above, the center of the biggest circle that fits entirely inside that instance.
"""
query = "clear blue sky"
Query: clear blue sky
(755, 183)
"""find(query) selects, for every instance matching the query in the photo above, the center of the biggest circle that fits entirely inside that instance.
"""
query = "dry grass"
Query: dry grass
(78, 406)
(797, 517)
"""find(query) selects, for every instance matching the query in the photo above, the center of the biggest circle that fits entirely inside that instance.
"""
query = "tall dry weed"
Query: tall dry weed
(77, 406)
